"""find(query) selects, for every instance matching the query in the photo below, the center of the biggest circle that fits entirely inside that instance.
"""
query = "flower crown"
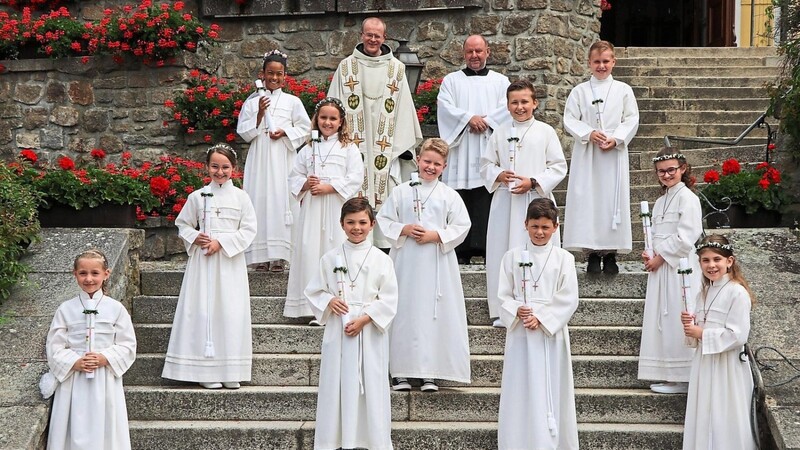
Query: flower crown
(222, 147)
(276, 53)
(678, 156)
(728, 247)
(328, 100)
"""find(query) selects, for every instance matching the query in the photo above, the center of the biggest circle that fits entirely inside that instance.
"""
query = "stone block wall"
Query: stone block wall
(65, 107)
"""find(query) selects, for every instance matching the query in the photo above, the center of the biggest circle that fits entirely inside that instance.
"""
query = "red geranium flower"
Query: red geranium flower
(764, 183)
(159, 186)
(29, 155)
(731, 167)
(98, 153)
(66, 163)
(711, 176)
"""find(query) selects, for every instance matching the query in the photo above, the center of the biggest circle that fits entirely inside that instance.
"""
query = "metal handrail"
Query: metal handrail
(759, 123)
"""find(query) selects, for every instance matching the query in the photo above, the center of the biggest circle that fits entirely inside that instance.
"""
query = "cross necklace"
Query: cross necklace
(541, 272)
(353, 280)
(598, 101)
(330, 149)
(708, 309)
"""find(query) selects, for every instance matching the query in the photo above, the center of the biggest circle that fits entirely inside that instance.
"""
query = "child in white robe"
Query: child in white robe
(211, 341)
(326, 172)
(720, 383)
(425, 220)
(524, 161)
(539, 293)
(677, 223)
(269, 162)
(89, 407)
(602, 116)
(354, 294)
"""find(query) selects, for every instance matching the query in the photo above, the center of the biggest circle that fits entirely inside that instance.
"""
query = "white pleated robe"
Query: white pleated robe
(266, 170)
(597, 214)
(428, 338)
(215, 295)
(461, 97)
(537, 395)
(541, 158)
(677, 224)
(318, 230)
(353, 406)
(90, 413)
(720, 384)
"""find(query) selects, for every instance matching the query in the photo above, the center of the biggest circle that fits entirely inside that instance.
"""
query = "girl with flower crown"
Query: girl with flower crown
(326, 173)
(211, 340)
(275, 123)
(677, 223)
(720, 383)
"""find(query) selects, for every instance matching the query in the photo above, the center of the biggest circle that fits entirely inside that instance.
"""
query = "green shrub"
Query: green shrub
(785, 95)
(19, 227)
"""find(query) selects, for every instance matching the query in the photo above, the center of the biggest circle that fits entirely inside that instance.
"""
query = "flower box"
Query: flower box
(103, 216)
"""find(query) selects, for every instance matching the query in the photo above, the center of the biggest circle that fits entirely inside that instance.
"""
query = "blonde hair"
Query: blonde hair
(96, 255)
(601, 46)
(717, 241)
(435, 145)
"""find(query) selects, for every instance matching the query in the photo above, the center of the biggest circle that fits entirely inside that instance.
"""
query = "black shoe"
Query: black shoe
(464, 260)
(593, 265)
(400, 384)
(610, 264)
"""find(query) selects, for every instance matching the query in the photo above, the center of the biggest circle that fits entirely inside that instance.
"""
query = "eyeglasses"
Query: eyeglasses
(667, 171)
(374, 36)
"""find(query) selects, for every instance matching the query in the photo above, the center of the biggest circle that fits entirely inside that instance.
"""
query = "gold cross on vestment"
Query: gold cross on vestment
(383, 143)
(393, 87)
(357, 139)
(351, 83)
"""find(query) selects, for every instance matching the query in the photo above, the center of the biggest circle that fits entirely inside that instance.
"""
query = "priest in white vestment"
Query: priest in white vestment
(90, 412)
(269, 162)
(602, 116)
(470, 106)
(537, 396)
(214, 302)
(353, 404)
(383, 120)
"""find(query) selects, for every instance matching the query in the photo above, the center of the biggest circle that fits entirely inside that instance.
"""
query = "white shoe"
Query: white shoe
(429, 385)
(670, 388)
(231, 385)
(215, 385)
(498, 324)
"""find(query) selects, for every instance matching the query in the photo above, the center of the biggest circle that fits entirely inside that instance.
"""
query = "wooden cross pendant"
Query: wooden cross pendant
(218, 212)
(535, 285)
(352, 285)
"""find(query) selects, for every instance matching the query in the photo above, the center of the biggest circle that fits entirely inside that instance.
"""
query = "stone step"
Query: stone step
(621, 72)
(280, 369)
(483, 340)
(713, 156)
(693, 81)
(730, 93)
(668, 52)
(700, 61)
(758, 103)
(447, 405)
(725, 130)
(269, 310)
(701, 118)
(299, 435)
(160, 278)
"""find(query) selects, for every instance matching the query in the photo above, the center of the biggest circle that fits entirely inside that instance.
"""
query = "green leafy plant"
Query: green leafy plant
(19, 227)
(308, 92)
(425, 101)
(785, 94)
(754, 188)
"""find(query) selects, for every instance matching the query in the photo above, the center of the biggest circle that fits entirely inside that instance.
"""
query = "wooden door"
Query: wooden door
(719, 32)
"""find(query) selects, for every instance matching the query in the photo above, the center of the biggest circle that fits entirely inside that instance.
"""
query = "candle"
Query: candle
(415, 177)
(646, 227)
(315, 134)
(645, 207)
(513, 133)
(525, 256)
(340, 283)
(339, 261)
(90, 305)
(684, 263)
(262, 91)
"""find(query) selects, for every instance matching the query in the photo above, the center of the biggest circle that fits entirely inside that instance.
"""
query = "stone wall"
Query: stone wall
(67, 107)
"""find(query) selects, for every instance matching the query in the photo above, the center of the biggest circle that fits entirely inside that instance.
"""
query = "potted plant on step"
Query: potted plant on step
(752, 197)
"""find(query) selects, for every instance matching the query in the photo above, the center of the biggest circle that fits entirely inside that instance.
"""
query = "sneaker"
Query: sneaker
(429, 385)
(498, 324)
(231, 385)
(670, 388)
(593, 263)
(400, 384)
(315, 323)
(610, 264)
(215, 385)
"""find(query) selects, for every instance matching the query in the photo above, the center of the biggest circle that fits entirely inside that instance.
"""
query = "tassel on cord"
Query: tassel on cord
(209, 351)
(551, 420)
(288, 219)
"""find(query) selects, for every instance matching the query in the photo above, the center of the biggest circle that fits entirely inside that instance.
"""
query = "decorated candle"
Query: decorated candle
(525, 257)
(684, 270)
(263, 93)
(414, 177)
(645, 207)
(315, 134)
(91, 304)
(513, 133)
(646, 227)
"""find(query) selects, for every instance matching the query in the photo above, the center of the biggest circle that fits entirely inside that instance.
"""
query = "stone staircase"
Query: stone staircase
(700, 92)
(277, 409)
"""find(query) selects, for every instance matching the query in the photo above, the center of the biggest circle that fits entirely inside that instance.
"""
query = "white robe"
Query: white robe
(541, 158)
(677, 224)
(266, 170)
(460, 98)
(428, 338)
(90, 413)
(720, 384)
(353, 406)
(215, 295)
(597, 214)
(537, 395)
(318, 229)
(404, 131)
